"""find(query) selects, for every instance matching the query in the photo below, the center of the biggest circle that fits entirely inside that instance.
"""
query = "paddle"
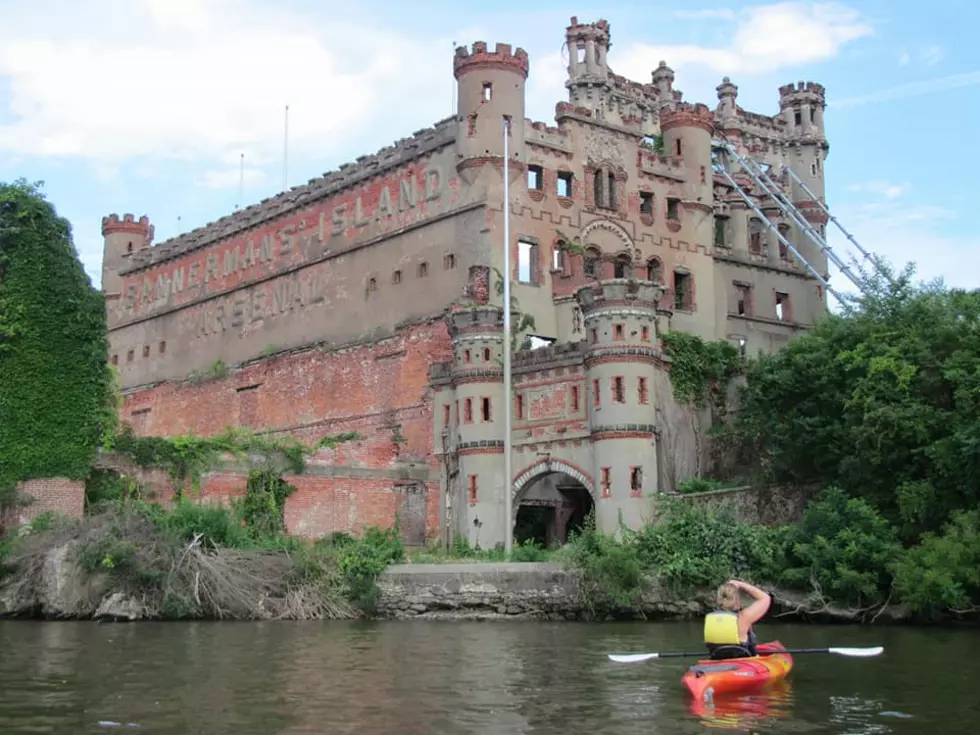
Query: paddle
(636, 658)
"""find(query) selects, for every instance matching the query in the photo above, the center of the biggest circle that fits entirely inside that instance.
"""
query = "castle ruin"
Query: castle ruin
(367, 300)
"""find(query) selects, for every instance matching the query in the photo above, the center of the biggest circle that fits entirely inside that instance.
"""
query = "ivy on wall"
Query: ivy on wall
(700, 370)
(187, 458)
(54, 373)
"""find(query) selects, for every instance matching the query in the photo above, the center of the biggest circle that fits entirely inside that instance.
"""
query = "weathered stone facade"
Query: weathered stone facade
(366, 300)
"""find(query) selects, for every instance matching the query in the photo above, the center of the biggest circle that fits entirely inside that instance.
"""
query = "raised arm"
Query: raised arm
(752, 614)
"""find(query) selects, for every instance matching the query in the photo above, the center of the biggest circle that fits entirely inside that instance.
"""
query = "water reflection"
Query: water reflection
(751, 711)
(425, 678)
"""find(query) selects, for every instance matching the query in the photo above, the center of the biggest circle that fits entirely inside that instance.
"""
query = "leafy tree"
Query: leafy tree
(54, 377)
(883, 401)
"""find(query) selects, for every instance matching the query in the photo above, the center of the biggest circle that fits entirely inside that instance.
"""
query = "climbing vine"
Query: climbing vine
(54, 374)
(700, 370)
(186, 458)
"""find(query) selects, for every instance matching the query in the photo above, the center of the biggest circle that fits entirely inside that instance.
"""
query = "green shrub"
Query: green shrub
(942, 573)
(842, 547)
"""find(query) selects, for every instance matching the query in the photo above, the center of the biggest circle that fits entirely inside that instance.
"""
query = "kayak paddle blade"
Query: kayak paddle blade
(858, 652)
(632, 658)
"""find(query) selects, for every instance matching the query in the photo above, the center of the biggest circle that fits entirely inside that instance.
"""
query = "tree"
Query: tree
(883, 402)
(54, 372)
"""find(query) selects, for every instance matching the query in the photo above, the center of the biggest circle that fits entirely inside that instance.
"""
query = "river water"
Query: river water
(429, 678)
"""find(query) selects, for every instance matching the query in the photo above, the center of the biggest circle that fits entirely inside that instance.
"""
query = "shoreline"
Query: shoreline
(444, 591)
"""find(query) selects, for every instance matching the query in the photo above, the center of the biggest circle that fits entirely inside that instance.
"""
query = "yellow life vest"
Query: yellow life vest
(721, 629)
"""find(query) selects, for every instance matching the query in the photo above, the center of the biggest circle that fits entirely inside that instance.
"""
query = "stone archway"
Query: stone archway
(551, 499)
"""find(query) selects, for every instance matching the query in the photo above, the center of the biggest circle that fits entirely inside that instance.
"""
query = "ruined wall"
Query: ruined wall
(346, 489)
(393, 247)
(776, 505)
(378, 389)
(57, 494)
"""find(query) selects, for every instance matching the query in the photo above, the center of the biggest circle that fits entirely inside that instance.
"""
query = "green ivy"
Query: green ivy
(186, 458)
(700, 370)
(54, 373)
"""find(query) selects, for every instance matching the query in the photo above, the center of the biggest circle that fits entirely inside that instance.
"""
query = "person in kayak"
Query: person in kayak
(728, 630)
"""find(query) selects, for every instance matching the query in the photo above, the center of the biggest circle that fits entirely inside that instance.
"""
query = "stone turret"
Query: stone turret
(623, 350)
(123, 238)
(802, 108)
(477, 376)
(489, 87)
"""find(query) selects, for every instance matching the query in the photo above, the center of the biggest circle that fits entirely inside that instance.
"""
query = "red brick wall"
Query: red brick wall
(369, 389)
(50, 494)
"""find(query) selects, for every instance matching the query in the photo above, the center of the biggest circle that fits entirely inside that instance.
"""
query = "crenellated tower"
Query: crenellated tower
(623, 354)
(489, 87)
(687, 130)
(122, 238)
(802, 107)
(478, 379)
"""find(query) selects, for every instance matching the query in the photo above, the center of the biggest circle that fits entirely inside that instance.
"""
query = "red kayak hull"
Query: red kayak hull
(708, 679)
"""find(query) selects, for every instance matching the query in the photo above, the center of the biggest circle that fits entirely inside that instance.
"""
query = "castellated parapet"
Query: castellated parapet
(687, 115)
(140, 228)
(481, 59)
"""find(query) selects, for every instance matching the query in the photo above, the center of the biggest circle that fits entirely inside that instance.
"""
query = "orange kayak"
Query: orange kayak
(707, 678)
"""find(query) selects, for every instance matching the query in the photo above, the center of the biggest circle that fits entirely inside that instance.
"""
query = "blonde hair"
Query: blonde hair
(728, 597)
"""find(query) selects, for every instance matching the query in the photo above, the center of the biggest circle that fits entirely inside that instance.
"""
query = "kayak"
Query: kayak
(708, 678)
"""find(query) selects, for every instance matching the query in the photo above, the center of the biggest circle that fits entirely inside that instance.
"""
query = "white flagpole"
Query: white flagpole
(508, 472)
(285, 151)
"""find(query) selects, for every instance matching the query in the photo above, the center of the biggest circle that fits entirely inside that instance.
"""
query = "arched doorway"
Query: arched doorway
(549, 507)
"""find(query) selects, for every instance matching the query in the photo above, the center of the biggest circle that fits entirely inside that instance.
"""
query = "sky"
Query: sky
(148, 106)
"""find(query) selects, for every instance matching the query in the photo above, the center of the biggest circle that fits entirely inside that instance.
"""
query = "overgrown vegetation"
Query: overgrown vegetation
(54, 374)
(203, 561)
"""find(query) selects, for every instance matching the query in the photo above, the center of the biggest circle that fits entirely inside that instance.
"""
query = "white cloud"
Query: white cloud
(205, 79)
(903, 230)
(932, 55)
(904, 58)
(766, 38)
(887, 189)
(912, 89)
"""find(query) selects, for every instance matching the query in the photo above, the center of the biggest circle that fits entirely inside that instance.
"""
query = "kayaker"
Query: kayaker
(728, 630)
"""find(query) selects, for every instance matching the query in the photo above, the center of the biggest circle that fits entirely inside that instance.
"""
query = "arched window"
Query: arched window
(590, 264)
(621, 268)
(655, 271)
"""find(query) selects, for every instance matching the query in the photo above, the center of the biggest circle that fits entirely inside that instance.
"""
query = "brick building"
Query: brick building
(367, 299)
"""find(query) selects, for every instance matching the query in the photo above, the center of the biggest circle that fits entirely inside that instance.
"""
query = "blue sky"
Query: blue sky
(146, 106)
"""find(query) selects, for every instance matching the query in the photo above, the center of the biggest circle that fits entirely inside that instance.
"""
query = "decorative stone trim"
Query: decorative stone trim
(487, 446)
(623, 431)
(545, 466)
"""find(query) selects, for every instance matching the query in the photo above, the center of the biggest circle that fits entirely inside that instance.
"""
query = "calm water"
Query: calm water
(447, 678)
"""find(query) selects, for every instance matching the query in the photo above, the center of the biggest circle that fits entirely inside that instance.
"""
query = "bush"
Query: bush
(611, 577)
(943, 571)
(843, 548)
(700, 547)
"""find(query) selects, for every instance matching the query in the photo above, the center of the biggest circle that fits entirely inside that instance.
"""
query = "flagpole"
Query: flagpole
(285, 151)
(508, 494)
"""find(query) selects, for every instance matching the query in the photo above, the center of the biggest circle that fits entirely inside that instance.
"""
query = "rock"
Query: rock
(120, 607)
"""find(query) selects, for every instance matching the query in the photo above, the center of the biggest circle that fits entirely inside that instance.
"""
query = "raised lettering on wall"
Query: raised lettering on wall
(279, 246)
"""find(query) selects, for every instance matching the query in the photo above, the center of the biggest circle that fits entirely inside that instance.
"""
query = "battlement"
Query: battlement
(801, 92)
(546, 135)
(128, 224)
(618, 291)
(475, 319)
(500, 58)
(529, 360)
(653, 163)
(688, 115)
(346, 176)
